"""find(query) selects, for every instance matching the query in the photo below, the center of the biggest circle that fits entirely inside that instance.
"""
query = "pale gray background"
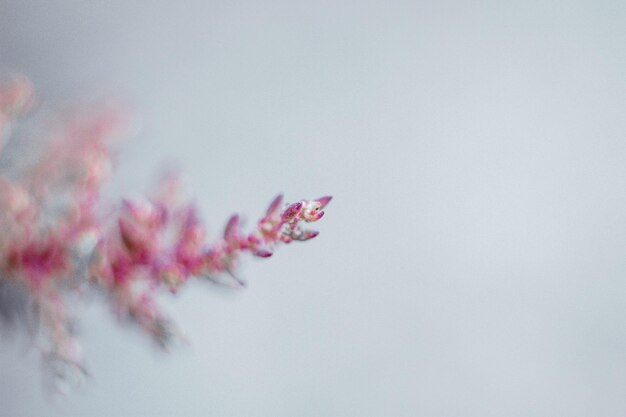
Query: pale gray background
(474, 260)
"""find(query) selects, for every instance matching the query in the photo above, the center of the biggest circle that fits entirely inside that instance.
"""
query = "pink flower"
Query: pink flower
(57, 231)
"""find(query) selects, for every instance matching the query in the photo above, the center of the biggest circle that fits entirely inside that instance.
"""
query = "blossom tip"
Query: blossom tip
(324, 201)
(263, 253)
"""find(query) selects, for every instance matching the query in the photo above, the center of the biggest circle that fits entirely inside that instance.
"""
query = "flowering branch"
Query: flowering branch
(55, 239)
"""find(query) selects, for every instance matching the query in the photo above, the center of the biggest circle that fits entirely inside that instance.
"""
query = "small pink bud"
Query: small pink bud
(324, 201)
(263, 253)
(312, 211)
(146, 212)
(16, 95)
(230, 231)
(292, 212)
(254, 240)
(173, 276)
(308, 234)
(275, 205)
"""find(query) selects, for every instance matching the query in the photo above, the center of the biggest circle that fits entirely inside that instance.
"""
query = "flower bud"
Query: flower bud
(292, 212)
(275, 205)
(324, 201)
(230, 232)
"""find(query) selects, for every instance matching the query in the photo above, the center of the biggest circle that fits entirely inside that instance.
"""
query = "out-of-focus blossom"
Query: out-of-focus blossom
(54, 238)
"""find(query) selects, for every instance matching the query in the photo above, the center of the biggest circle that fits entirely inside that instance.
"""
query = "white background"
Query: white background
(473, 262)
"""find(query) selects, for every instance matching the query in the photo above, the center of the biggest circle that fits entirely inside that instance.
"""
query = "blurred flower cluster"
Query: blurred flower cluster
(58, 238)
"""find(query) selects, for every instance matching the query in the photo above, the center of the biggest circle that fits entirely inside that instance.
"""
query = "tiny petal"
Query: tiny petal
(173, 276)
(16, 95)
(292, 211)
(253, 239)
(231, 227)
(275, 205)
(311, 211)
(324, 201)
(308, 234)
(263, 253)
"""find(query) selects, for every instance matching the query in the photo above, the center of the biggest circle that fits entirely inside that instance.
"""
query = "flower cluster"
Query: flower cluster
(58, 238)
